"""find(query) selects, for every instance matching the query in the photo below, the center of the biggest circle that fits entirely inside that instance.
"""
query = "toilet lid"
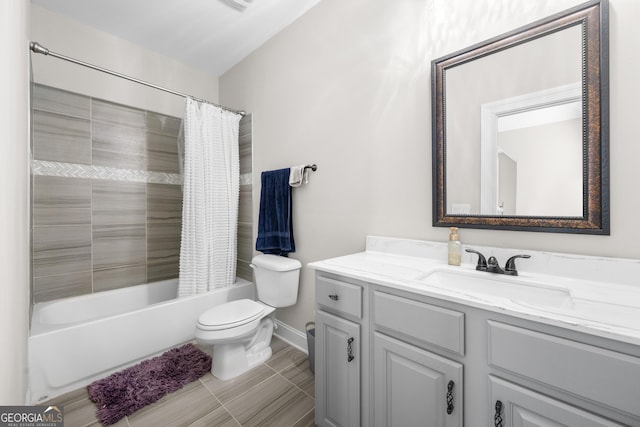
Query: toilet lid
(231, 314)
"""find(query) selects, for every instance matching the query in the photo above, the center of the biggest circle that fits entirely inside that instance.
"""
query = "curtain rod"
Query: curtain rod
(38, 48)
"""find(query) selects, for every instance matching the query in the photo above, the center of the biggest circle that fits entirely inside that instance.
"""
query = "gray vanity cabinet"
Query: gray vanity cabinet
(387, 357)
(413, 387)
(338, 365)
(517, 406)
(339, 353)
(373, 364)
(592, 373)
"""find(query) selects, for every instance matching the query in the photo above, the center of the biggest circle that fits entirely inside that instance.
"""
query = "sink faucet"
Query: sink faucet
(510, 265)
(492, 265)
(482, 261)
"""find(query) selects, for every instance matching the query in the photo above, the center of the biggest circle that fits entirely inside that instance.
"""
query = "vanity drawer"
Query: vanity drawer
(593, 373)
(338, 296)
(419, 321)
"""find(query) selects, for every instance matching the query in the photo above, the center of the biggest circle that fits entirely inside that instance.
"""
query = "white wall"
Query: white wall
(70, 38)
(347, 86)
(14, 209)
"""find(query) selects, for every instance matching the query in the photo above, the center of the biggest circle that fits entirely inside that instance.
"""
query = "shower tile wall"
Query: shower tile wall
(107, 203)
(245, 209)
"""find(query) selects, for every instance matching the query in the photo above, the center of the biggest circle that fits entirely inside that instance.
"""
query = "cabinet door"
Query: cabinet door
(515, 406)
(337, 371)
(413, 387)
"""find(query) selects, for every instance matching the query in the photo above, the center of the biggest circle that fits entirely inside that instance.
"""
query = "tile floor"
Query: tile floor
(279, 393)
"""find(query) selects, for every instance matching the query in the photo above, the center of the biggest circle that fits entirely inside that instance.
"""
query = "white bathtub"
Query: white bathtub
(75, 341)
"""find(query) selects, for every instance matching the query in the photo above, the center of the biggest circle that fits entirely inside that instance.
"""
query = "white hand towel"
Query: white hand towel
(296, 176)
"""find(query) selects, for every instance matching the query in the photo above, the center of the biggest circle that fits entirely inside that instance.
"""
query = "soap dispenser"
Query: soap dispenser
(455, 247)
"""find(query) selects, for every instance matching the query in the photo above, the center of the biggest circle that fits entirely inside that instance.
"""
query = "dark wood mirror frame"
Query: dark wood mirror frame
(593, 17)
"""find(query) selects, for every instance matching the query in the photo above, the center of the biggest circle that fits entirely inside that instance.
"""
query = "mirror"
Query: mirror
(520, 128)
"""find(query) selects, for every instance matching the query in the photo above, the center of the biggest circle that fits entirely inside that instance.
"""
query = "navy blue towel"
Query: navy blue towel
(275, 224)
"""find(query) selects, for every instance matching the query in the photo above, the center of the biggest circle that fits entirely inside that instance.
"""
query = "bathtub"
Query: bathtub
(75, 341)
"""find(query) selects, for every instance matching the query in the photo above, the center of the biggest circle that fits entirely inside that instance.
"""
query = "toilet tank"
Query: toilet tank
(277, 279)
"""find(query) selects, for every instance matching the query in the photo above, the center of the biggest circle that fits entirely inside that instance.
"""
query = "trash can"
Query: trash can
(311, 345)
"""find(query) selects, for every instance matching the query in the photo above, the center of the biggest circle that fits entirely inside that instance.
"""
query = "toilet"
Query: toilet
(240, 331)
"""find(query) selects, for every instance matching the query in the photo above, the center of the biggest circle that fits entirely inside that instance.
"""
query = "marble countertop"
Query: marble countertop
(605, 308)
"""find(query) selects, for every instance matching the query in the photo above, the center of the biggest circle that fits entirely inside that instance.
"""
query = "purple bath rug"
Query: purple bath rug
(125, 392)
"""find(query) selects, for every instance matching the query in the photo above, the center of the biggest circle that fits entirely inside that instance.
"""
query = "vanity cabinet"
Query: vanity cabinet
(517, 406)
(589, 372)
(338, 364)
(374, 366)
(392, 357)
(338, 353)
(414, 387)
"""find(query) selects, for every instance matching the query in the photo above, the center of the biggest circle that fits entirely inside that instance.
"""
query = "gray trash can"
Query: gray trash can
(311, 345)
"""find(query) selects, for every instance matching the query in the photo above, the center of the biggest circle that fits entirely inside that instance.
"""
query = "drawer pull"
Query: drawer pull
(334, 297)
(450, 397)
(350, 356)
(497, 418)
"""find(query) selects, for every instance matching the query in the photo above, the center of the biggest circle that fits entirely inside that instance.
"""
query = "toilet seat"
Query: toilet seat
(230, 315)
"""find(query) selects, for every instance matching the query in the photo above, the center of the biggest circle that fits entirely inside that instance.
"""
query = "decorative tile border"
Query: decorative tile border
(74, 170)
(246, 178)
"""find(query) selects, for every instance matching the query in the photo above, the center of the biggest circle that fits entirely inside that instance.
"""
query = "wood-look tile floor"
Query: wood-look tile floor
(278, 393)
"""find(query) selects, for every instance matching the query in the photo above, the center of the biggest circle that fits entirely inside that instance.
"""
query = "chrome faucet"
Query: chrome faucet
(492, 265)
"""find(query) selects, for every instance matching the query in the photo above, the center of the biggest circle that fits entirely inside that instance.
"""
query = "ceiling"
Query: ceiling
(211, 35)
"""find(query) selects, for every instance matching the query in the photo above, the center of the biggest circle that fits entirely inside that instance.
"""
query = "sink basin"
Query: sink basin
(481, 284)
(536, 295)
(595, 311)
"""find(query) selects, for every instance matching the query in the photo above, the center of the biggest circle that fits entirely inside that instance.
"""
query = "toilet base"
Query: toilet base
(232, 359)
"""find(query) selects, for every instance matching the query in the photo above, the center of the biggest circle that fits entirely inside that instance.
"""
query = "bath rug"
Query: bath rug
(124, 392)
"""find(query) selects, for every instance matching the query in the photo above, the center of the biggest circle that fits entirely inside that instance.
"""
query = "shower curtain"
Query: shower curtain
(211, 175)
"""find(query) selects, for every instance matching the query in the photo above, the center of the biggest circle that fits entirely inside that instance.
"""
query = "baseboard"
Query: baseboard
(291, 336)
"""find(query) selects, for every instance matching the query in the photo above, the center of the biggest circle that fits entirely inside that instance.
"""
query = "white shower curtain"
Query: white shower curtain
(211, 177)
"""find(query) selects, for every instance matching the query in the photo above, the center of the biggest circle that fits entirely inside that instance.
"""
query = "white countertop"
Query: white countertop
(607, 308)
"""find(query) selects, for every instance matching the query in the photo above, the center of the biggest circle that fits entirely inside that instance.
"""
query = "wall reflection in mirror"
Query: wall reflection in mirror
(519, 128)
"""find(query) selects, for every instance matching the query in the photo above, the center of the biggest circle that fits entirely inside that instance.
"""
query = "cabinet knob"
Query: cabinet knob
(334, 297)
(497, 418)
(450, 397)
(350, 356)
